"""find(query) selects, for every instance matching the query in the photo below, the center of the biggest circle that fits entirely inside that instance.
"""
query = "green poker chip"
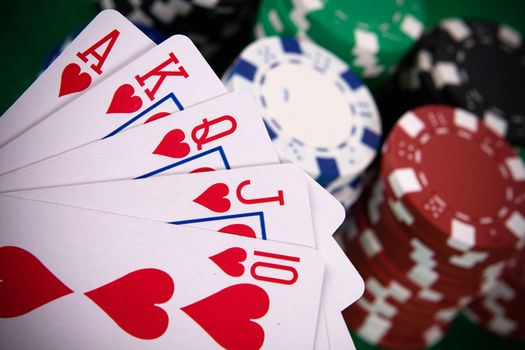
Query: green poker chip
(273, 19)
(372, 39)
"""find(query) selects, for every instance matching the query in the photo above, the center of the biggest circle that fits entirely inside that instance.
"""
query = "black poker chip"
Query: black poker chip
(473, 64)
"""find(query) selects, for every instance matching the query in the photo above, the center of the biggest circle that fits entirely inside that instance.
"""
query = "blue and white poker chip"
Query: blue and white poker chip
(318, 113)
(348, 193)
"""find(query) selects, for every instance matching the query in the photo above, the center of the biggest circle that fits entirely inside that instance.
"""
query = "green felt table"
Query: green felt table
(29, 29)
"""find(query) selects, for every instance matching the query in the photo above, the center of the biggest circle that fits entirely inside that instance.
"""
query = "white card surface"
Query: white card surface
(108, 42)
(222, 133)
(68, 159)
(267, 202)
(130, 155)
(171, 198)
(166, 79)
(339, 336)
(341, 275)
(109, 281)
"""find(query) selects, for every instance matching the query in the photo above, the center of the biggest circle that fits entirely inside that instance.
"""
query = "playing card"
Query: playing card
(339, 337)
(166, 79)
(268, 202)
(78, 167)
(130, 155)
(222, 133)
(107, 42)
(143, 152)
(321, 338)
(106, 281)
(341, 275)
(206, 200)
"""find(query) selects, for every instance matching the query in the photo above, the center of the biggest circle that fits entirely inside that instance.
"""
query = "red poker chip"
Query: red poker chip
(398, 339)
(515, 271)
(401, 315)
(389, 278)
(389, 303)
(447, 249)
(428, 250)
(395, 234)
(403, 244)
(434, 239)
(501, 310)
(386, 264)
(390, 334)
(399, 250)
(381, 206)
(411, 319)
(458, 176)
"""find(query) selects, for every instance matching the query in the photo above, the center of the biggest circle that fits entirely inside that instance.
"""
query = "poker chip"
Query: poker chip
(424, 251)
(471, 214)
(501, 310)
(425, 256)
(348, 193)
(371, 39)
(385, 333)
(382, 316)
(317, 111)
(472, 64)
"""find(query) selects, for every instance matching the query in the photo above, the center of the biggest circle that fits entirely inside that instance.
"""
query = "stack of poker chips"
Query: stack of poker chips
(371, 37)
(502, 309)
(318, 113)
(436, 228)
(472, 64)
(219, 28)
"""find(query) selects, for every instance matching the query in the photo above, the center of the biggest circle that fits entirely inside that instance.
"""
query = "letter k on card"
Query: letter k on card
(126, 101)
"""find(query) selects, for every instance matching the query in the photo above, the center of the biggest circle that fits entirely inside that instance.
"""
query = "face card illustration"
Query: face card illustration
(109, 281)
(222, 133)
(267, 202)
(108, 42)
(166, 79)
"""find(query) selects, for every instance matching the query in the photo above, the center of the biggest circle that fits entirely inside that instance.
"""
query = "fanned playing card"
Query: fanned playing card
(166, 79)
(222, 133)
(107, 43)
(74, 278)
(180, 161)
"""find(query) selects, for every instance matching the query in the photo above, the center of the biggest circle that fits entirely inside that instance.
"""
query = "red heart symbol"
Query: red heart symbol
(239, 230)
(72, 80)
(204, 169)
(130, 302)
(123, 100)
(157, 116)
(214, 199)
(226, 316)
(25, 283)
(172, 145)
(230, 261)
